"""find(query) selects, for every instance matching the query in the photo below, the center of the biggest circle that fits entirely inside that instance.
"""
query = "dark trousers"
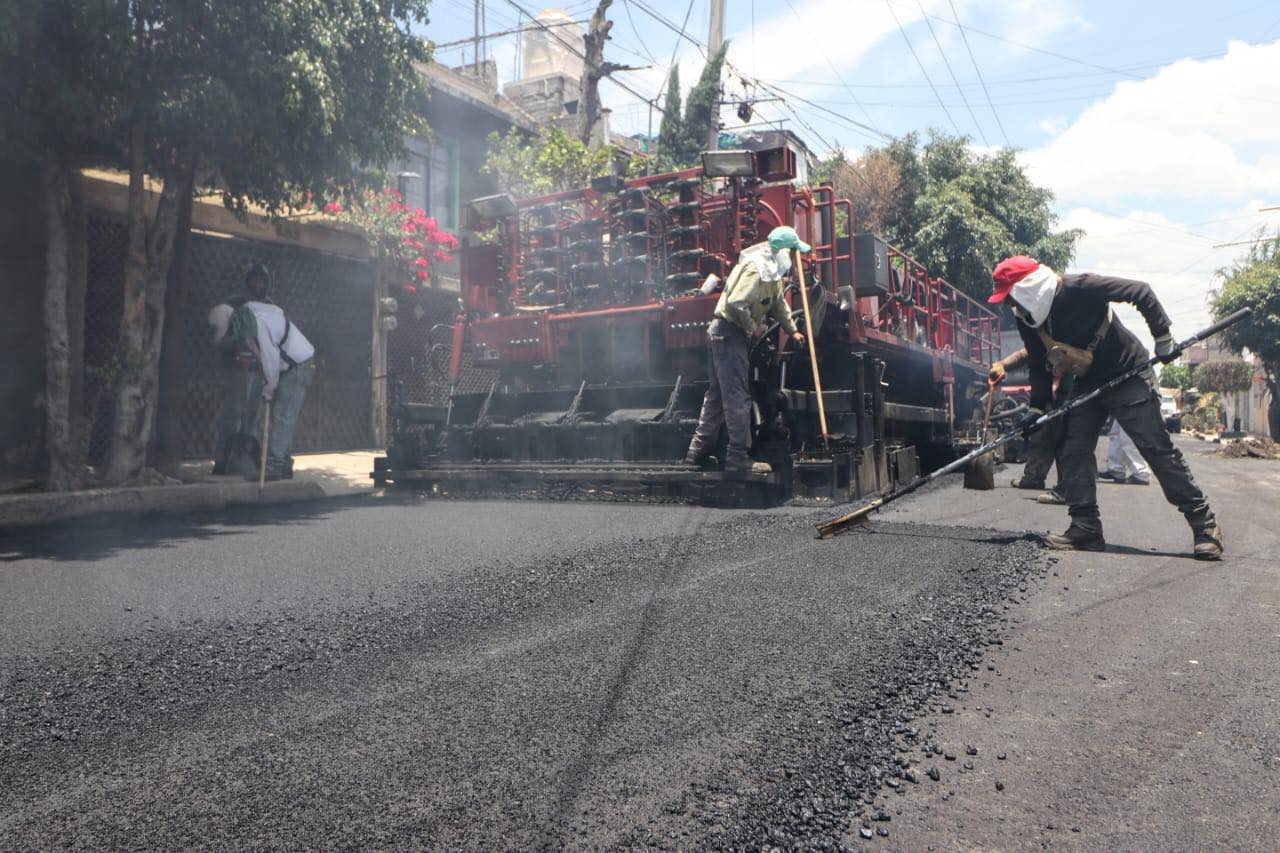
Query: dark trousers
(1136, 406)
(728, 399)
(1042, 452)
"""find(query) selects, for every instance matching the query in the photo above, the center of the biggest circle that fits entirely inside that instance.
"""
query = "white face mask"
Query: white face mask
(1033, 296)
(783, 260)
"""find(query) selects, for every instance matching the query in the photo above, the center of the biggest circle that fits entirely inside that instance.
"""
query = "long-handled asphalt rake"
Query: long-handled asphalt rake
(830, 528)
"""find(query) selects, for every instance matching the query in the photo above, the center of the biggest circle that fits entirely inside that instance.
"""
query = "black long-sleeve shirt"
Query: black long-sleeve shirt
(1077, 313)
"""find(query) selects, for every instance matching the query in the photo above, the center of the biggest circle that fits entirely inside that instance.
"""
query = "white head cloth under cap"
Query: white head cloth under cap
(220, 319)
(1034, 294)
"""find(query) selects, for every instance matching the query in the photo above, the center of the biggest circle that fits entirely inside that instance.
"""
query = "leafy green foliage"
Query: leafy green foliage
(671, 131)
(275, 99)
(682, 139)
(956, 211)
(1225, 376)
(1254, 280)
(553, 162)
(1175, 376)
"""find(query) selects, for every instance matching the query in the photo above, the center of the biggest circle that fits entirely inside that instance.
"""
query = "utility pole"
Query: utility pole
(714, 39)
(476, 57)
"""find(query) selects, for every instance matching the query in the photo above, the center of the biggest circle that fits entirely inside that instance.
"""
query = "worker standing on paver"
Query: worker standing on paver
(286, 360)
(753, 291)
(1067, 324)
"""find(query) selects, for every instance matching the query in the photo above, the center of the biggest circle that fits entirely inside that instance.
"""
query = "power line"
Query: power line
(951, 72)
(836, 71)
(573, 49)
(978, 71)
(920, 64)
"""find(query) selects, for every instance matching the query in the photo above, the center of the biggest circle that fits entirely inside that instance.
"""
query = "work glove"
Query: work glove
(1164, 348)
(997, 373)
(1027, 425)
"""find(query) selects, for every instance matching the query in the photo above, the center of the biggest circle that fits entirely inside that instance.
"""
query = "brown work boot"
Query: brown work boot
(1076, 538)
(747, 466)
(1208, 544)
(696, 459)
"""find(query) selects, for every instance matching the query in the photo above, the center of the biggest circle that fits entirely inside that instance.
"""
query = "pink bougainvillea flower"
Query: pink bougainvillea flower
(332, 207)
(422, 262)
(420, 275)
(409, 288)
(441, 255)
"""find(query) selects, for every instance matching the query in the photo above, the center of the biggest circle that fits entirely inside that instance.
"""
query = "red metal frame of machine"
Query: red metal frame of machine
(526, 294)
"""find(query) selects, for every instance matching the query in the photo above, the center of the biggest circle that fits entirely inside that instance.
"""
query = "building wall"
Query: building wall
(21, 321)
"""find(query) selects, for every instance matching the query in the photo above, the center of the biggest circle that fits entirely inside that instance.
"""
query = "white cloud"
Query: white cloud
(1196, 131)
(1053, 125)
(1177, 259)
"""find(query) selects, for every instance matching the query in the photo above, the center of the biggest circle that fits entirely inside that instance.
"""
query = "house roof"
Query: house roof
(476, 93)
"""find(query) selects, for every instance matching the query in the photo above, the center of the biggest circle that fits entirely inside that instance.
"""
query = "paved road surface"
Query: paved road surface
(524, 676)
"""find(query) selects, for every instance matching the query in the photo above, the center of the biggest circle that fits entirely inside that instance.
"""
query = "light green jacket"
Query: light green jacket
(749, 297)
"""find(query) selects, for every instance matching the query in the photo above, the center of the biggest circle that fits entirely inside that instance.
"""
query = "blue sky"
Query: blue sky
(1156, 124)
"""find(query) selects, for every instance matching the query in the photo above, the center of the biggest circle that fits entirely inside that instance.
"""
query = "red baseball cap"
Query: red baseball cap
(1009, 272)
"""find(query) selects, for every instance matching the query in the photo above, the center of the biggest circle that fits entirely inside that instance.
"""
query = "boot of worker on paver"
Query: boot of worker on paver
(753, 292)
(1067, 325)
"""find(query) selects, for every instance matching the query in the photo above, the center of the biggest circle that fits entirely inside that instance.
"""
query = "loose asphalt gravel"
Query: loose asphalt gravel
(485, 676)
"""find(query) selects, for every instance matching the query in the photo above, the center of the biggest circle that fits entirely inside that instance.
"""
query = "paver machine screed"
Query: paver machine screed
(590, 309)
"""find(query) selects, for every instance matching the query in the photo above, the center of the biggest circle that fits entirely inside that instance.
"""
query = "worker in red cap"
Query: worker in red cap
(1069, 328)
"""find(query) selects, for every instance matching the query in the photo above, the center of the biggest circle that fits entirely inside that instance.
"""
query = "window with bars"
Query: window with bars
(428, 177)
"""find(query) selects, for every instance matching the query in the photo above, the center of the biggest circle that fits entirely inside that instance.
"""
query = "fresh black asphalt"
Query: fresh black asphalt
(477, 675)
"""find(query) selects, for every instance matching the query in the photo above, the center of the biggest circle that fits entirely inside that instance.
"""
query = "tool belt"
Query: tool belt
(1066, 359)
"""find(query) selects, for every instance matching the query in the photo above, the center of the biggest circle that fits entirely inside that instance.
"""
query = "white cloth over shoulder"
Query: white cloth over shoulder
(271, 333)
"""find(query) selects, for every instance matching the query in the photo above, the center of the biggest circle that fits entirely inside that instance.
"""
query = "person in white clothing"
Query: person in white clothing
(286, 360)
(1124, 463)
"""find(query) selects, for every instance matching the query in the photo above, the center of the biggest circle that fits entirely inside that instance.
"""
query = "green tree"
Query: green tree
(1225, 376)
(683, 137)
(263, 102)
(671, 130)
(1175, 376)
(1254, 281)
(552, 162)
(956, 211)
(702, 109)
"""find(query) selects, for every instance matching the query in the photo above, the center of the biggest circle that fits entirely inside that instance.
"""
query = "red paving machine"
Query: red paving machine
(591, 307)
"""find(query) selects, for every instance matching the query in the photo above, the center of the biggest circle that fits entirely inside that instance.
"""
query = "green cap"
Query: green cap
(785, 237)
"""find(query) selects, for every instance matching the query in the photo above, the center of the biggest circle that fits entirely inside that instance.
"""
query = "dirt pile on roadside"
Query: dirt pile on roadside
(1250, 446)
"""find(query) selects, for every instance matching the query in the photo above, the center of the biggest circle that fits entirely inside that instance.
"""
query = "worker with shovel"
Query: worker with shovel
(753, 291)
(1068, 325)
(286, 360)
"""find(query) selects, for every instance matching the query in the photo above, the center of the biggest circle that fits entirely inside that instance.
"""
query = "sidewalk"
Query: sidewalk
(1132, 705)
(315, 476)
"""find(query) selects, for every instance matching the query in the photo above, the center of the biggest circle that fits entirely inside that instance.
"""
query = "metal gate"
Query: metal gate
(329, 297)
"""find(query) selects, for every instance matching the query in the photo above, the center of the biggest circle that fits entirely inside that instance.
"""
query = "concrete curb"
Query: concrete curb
(50, 507)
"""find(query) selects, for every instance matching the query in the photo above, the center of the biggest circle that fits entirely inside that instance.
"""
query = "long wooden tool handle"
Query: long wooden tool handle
(991, 398)
(266, 439)
(810, 334)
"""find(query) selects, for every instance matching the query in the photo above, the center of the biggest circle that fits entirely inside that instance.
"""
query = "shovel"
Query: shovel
(981, 473)
(827, 529)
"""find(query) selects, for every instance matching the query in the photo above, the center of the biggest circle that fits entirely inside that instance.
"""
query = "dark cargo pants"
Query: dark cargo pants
(1136, 406)
(728, 399)
(1042, 452)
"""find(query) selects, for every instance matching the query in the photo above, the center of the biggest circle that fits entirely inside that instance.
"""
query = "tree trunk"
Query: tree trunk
(141, 327)
(59, 442)
(594, 69)
(77, 289)
(177, 297)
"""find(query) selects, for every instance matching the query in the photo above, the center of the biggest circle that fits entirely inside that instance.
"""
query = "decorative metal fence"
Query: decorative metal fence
(329, 298)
